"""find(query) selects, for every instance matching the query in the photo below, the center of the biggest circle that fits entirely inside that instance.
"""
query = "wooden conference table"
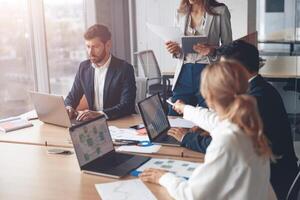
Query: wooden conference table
(55, 136)
(51, 135)
(29, 172)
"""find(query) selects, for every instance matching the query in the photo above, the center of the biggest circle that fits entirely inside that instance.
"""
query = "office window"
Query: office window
(16, 74)
(278, 25)
(274, 5)
(65, 26)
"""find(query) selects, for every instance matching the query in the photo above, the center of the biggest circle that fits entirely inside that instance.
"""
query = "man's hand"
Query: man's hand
(88, 114)
(177, 133)
(197, 129)
(71, 112)
(179, 106)
(152, 175)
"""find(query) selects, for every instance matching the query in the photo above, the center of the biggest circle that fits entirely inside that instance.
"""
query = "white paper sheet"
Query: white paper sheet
(124, 190)
(180, 122)
(139, 149)
(167, 33)
(178, 167)
(9, 119)
(126, 134)
(29, 115)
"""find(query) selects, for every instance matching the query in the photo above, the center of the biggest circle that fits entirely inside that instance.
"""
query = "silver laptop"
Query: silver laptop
(156, 121)
(51, 109)
(95, 152)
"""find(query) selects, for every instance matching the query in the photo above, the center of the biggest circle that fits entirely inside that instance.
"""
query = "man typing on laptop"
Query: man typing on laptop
(107, 82)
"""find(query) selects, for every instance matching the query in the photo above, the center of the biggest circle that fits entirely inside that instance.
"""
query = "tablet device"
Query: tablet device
(189, 41)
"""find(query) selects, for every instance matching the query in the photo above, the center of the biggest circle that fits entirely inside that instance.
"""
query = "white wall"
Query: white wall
(243, 16)
(155, 12)
(162, 12)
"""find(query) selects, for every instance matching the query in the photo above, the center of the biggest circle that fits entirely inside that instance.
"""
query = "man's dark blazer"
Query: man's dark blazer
(277, 129)
(119, 88)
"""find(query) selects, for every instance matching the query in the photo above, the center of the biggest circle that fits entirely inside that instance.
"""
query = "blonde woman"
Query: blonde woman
(204, 18)
(237, 160)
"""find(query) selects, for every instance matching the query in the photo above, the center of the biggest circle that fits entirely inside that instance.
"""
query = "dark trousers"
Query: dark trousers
(187, 87)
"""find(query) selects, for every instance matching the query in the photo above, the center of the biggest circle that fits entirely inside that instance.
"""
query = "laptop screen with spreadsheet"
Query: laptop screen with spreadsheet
(91, 140)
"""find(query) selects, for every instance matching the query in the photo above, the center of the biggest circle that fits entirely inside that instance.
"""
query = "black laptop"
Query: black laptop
(95, 152)
(156, 121)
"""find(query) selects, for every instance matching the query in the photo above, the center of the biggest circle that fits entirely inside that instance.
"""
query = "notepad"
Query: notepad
(13, 124)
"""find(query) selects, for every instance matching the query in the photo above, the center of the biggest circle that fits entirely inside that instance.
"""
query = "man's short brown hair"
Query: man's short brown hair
(98, 30)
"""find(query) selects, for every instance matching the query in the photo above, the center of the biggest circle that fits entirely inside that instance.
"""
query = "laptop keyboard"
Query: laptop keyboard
(168, 139)
(116, 159)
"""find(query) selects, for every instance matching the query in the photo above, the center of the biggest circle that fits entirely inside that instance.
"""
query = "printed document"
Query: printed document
(126, 190)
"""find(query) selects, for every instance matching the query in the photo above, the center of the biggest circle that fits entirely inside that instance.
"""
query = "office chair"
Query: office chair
(153, 74)
(293, 85)
(293, 193)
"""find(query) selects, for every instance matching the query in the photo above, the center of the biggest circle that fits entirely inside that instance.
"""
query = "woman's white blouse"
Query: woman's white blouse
(231, 170)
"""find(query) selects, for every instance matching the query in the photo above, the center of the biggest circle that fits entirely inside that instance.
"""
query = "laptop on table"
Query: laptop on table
(51, 109)
(156, 121)
(95, 152)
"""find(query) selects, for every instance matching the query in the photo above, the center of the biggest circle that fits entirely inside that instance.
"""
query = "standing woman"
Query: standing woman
(204, 18)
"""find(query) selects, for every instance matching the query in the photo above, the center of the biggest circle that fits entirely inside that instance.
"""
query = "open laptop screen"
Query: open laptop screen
(153, 115)
(91, 140)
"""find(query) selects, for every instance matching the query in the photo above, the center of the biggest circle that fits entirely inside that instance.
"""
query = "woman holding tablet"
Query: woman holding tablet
(206, 18)
(237, 161)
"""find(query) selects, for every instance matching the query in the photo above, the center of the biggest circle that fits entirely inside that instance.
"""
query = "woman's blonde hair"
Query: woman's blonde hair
(226, 84)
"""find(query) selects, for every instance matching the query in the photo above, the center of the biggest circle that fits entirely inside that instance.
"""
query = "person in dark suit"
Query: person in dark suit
(107, 82)
(271, 108)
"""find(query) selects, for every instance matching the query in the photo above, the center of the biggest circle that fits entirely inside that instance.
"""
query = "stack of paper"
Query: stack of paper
(132, 190)
(13, 123)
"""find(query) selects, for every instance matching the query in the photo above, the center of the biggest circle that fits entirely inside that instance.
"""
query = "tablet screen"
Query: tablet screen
(189, 41)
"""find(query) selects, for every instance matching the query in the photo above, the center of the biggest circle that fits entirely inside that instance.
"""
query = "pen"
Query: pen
(170, 102)
(127, 142)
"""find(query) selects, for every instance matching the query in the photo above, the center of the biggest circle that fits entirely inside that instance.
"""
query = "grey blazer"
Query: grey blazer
(217, 27)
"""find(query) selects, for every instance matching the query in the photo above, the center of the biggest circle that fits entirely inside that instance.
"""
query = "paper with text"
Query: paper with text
(178, 167)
